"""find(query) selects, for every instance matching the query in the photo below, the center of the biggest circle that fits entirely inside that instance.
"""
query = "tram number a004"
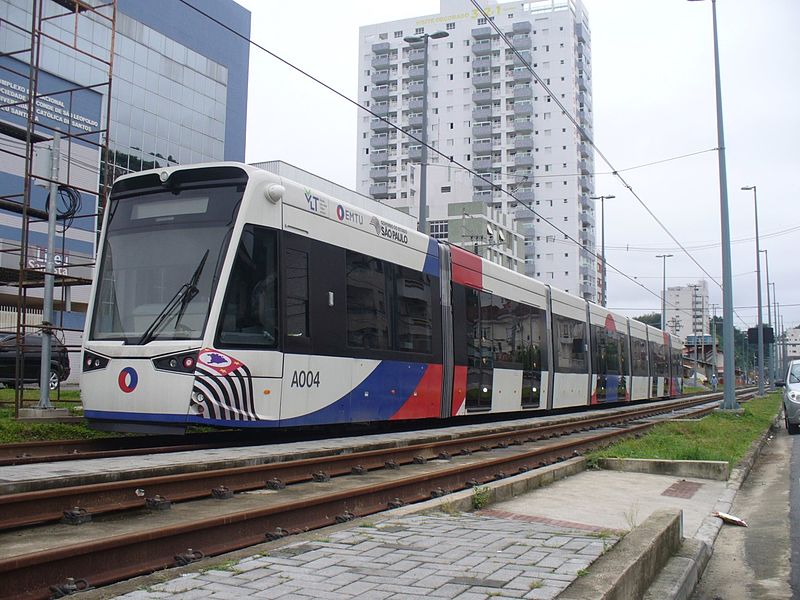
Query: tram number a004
(305, 379)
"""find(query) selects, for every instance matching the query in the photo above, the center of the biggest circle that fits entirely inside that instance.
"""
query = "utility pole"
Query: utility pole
(664, 290)
(49, 279)
(714, 344)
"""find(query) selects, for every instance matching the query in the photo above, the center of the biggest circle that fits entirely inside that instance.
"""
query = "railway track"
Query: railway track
(227, 509)
(61, 450)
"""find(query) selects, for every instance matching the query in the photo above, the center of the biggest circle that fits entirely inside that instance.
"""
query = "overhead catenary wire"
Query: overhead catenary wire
(448, 157)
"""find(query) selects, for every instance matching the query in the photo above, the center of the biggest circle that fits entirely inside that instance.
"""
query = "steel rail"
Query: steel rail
(105, 560)
(41, 506)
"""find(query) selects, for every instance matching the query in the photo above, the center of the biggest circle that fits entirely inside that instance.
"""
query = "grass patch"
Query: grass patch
(719, 436)
(13, 431)
(481, 496)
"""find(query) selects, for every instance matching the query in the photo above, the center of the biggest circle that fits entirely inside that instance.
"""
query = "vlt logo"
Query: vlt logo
(315, 203)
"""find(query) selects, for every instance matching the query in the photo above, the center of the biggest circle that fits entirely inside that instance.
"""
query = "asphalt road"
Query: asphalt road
(753, 563)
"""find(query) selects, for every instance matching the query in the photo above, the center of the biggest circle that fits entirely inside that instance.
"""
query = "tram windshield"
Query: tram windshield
(161, 260)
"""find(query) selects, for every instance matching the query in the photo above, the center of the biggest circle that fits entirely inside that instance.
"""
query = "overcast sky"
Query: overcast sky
(653, 99)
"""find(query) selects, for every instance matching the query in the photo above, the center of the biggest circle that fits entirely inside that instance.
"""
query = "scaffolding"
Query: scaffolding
(36, 104)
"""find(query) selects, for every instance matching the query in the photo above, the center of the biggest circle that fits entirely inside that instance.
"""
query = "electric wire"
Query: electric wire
(450, 158)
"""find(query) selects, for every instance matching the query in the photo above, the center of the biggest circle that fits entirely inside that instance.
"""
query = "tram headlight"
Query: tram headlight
(177, 363)
(93, 362)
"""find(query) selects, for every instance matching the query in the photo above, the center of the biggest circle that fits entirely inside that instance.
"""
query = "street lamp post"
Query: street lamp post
(664, 291)
(758, 291)
(770, 349)
(422, 224)
(603, 242)
(729, 395)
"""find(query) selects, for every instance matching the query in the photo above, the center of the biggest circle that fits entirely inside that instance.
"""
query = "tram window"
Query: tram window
(639, 361)
(414, 320)
(249, 312)
(570, 345)
(296, 293)
(367, 303)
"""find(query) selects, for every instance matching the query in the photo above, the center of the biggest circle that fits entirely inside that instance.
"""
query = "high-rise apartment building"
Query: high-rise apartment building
(688, 310)
(486, 109)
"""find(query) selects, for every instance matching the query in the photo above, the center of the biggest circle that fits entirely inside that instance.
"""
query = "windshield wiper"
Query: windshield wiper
(182, 297)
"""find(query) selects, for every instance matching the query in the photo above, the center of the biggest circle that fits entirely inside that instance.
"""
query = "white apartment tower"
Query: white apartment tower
(486, 110)
(687, 311)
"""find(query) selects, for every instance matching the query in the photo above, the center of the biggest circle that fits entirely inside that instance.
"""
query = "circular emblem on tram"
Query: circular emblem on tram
(128, 378)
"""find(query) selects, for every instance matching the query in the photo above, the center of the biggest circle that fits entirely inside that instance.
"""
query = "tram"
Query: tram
(229, 296)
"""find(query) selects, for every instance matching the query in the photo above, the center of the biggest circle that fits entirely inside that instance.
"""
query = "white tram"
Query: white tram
(226, 295)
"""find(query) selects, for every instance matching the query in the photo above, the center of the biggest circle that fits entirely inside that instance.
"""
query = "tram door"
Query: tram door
(480, 362)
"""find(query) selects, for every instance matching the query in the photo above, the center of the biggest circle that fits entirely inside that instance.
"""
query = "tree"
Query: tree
(652, 319)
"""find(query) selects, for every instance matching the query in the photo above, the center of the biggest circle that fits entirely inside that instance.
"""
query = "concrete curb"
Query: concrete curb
(626, 571)
(699, 469)
(680, 576)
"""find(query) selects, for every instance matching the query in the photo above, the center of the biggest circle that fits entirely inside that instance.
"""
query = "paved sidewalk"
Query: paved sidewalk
(471, 556)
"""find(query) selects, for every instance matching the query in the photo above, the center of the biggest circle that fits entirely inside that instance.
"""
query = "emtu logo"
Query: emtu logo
(128, 378)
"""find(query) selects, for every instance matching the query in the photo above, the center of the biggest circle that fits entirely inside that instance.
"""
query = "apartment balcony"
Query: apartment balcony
(416, 56)
(416, 104)
(415, 120)
(480, 184)
(415, 87)
(482, 147)
(523, 109)
(585, 184)
(522, 27)
(521, 174)
(583, 237)
(482, 130)
(379, 157)
(524, 195)
(523, 142)
(522, 75)
(481, 113)
(482, 96)
(585, 99)
(586, 271)
(381, 92)
(482, 48)
(415, 153)
(416, 71)
(381, 108)
(523, 160)
(481, 163)
(482, 63)
(586, 203)
(585, 116)
(581, 32)
(523, 92)
(482, 80)
(482, 196)
(583, 83)
(587, 218)
(381, 77)
(523, 125)
(381, 47)
(523, 55)
(521, 42)
(379, 141)
(585, 167)
(379, 126)
(482, 33)
(379, 190)
(379, 173)
(381, 61)
(586, 149)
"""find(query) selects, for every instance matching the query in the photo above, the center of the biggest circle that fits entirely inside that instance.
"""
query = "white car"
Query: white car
(791, 397)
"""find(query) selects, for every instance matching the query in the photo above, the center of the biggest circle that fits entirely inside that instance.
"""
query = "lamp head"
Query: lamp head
(413, 39)
(439, 34)
(749, 187)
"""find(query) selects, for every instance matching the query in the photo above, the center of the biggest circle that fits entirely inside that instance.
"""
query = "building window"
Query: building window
(445, 189)
(482, 21)
(419, 30)
(398, 34)
(450, 26)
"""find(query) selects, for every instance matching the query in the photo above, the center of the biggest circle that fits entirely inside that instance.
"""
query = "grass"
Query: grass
(481, 496)
(719, 436)
(12, 431)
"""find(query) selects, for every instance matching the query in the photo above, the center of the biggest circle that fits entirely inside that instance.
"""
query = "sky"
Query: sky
(653, 99)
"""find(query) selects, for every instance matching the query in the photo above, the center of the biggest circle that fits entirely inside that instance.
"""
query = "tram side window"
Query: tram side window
(296, 293)
(414, 321)
(249, 314)
(639, 361)
(570, 344)
(367, 302)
